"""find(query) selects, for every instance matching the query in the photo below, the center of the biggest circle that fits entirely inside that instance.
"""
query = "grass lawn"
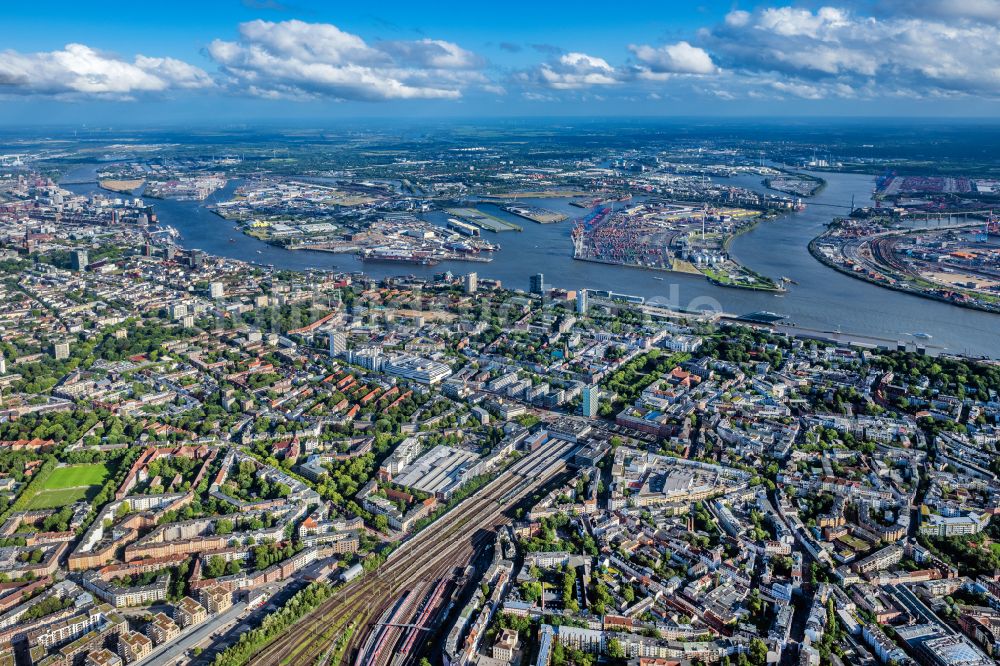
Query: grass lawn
(57, 499)
(71, 476)
(68, 484)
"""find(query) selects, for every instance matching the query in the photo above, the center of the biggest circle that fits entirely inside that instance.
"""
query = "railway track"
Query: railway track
(392, 643)
(427, 612)
(445, 544)
(385, 638)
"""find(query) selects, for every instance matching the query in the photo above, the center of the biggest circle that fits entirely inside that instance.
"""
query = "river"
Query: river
(822, 298)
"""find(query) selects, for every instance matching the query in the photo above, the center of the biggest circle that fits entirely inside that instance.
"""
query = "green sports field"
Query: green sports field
(68, 484)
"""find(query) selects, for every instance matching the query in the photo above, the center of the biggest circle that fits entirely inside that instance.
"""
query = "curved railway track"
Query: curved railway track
(447, 543)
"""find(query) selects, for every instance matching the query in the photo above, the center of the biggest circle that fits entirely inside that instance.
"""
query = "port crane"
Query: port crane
(992, 226)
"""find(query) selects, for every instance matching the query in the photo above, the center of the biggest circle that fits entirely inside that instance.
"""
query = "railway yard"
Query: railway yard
(396, 590)
(957, 262)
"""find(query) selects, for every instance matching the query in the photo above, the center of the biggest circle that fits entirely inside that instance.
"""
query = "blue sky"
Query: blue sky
(233, 60)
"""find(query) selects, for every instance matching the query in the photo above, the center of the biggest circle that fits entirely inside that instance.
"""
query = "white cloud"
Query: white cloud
(573, 71)
(949, 10)
(80, 71)
(679, 58)
(295, 59)
(803, 90)
(737, 18)
(865, 49)
(837, 52)
(582, 61)
(791, 21)
(432, 53)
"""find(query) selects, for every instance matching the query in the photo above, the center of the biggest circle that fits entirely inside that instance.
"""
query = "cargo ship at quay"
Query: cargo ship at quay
(398, 257)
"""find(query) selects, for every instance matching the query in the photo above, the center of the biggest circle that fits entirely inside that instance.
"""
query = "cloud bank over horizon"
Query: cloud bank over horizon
(882, 49)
